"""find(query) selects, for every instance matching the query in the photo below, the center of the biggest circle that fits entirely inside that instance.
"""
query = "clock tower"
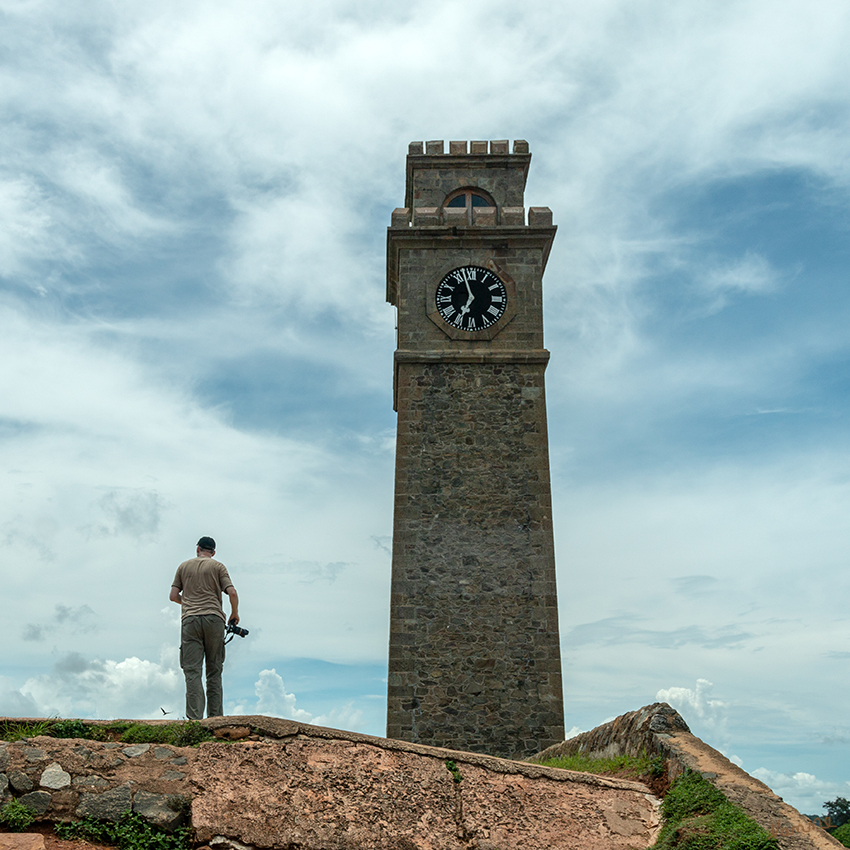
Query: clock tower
(474, 652)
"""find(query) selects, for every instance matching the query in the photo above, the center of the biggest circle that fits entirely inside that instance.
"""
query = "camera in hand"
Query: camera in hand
(233, 629)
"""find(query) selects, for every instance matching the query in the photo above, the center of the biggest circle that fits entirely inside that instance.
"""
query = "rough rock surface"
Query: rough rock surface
(315, 793)
(21, 841)
(660, 730)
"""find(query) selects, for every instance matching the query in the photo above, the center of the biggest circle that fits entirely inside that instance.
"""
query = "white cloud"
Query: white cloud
(274, 701)
(106, 689)
(804, 791)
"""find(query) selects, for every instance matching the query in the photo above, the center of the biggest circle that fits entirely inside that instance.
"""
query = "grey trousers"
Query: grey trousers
(202, 640)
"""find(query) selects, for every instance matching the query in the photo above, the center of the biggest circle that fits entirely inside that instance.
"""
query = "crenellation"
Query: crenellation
(435, 148)
(539, 217)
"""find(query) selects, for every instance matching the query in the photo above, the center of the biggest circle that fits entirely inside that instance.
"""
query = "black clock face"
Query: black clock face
(471, 298)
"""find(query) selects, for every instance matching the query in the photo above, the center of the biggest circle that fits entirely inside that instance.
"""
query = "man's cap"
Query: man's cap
(207, 543)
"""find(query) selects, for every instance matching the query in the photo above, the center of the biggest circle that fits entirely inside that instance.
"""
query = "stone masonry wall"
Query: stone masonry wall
(474, 651)
(66, 779)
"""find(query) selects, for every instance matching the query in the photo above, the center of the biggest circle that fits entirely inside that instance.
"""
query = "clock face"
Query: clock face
(471, 298)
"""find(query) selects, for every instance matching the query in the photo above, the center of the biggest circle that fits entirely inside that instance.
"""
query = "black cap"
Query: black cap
(207, 543)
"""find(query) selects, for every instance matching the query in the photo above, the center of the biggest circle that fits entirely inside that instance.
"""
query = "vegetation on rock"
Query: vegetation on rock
(16, 816)
(699, 817)
(623, 766)
(178, 734)
(132, 832)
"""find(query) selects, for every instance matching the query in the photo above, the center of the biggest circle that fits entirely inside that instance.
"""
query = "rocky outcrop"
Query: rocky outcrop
(659, 730)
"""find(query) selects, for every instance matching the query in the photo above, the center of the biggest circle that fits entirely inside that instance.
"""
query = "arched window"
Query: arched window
(467, 199)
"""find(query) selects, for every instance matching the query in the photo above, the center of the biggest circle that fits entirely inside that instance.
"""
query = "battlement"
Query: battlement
(404, 217)
(462, 148)
(434, 173)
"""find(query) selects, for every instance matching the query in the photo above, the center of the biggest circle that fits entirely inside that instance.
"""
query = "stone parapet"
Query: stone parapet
(274, 783)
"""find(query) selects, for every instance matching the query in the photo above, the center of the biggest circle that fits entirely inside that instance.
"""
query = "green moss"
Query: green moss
(621, 765)
(699, 817)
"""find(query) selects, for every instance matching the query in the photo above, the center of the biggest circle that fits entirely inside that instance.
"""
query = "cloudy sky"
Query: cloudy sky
(194, 340)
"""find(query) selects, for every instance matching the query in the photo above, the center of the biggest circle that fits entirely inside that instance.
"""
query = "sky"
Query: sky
(194, 341)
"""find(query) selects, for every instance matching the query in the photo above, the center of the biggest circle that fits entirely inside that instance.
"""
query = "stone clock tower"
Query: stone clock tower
(474, 653)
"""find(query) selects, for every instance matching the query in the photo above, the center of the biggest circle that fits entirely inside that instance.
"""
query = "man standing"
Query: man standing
(197, 587)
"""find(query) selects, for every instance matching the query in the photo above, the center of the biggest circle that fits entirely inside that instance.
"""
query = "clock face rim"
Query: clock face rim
(450, 330)
(453, 305)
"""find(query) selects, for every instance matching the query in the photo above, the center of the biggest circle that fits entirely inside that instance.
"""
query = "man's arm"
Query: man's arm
(234, 605)
(175, 596)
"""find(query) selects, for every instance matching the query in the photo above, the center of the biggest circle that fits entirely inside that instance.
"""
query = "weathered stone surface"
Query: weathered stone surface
(92, 781)
(4, 757)
(173, 775)
(107, 805)
(179, 760)
(37, 801)
(54, 777)
(660, 730)
(233, 733)
(21, 841)
(136, 750)
(163, 752)
(4, 786)
(164, 811)
(34, 754)
(20, 782)
(357, 794)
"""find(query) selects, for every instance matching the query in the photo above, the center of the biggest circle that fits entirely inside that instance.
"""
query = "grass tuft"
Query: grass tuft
(11, 730)
(620, 765)
(699, 817)
(16, 816)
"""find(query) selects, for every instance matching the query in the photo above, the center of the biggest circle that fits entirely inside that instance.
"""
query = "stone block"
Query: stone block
(457, 148)
(164, 811)
(136, 750)
(539, 217)
(435, 147)
(478, 147)
(484, 216)
(108, 805)
(513, 216)
(499, 147)
(20, 782)
(414, 149)
(455, 216)
(55, 778)
(520, 146)
(426, 216)
(38, 802)
(400, 217)
(21, 841)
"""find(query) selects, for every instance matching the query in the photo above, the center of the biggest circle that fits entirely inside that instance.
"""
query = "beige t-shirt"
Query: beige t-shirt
(202, 581)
